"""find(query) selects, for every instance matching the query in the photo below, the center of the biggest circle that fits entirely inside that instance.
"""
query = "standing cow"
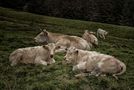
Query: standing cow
(94, 63)
(36, 55)
(101, 33)
(61, 40)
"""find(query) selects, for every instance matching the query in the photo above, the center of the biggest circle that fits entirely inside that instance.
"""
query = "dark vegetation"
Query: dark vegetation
(17, 29)
(107, 11)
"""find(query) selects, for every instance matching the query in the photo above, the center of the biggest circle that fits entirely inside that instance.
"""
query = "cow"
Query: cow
(62, 40)
(45, 37)
(90, 37)
(101, 33)
(34, 55)
(94, 63)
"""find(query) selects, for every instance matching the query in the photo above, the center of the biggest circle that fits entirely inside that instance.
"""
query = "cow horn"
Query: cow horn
(86, 30)
(40, 29)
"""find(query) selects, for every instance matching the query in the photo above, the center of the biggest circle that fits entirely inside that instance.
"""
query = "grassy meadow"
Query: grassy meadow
(17, 29)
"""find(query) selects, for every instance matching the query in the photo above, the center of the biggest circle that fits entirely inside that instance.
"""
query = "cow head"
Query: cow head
(52, 48)
(42, 38)
(60, 48)
(71, 55)
(106, 33)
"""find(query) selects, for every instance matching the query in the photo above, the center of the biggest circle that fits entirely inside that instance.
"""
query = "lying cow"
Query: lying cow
(101, 33)
(90, 38)
(35, 55)
(61, 40)
(94, 63)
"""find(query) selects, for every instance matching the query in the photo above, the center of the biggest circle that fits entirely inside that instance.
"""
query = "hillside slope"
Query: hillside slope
(17, 29)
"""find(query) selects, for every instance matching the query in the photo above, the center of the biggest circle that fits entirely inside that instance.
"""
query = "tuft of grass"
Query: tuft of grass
(17, 29)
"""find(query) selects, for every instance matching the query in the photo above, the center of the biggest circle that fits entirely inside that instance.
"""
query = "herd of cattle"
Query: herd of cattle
(77, 51)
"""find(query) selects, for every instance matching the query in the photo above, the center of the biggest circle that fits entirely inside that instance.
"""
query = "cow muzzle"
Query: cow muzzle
(51, 55)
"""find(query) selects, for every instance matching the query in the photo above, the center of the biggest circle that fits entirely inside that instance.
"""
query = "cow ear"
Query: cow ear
(45, 32)
(86, 31)
(66, 48)
(45, 46)
(58, 47)
(76, 51)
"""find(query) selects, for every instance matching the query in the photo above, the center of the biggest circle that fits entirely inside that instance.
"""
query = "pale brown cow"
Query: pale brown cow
(35, 55)
(90, 37)
(101, 33)
(62, 40)
(94, 63)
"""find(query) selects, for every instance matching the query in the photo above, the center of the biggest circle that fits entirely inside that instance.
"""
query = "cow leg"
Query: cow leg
(103, 75)
(43, 62)
(80, 66)
(104, 36)
(38, 60)
(13, 63)
(74, 68)
(81, 75)
(101, 36)
(51, 61)
(97, 35)
(96, 72)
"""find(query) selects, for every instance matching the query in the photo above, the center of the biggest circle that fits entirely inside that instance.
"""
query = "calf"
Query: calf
(101, 33)
(94, 63)
(35, 55)
(90, 38)
(61, 40)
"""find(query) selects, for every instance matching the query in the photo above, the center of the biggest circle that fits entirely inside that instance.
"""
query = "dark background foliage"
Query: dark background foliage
(106, 11)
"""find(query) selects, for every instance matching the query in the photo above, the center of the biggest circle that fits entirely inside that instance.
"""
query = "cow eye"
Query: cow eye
(58, 47)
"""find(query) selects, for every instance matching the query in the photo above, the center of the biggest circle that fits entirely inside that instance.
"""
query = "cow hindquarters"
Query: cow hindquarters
(15, 57)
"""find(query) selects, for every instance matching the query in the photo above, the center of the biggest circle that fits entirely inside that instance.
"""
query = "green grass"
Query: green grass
(17, 29)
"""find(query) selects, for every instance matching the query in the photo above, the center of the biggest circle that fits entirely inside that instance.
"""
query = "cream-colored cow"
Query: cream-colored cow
(35, 55)
(94, 63)
(90, 37)
(62, 40)
(101, 33)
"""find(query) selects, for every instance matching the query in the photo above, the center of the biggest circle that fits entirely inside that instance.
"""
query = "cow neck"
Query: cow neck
(48, 56)
(52, 37)
(84, 36)
(81, 54)
(78, 57)
(76, 60)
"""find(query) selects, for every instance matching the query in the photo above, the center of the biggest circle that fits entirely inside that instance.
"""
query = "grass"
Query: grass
(17, 29)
